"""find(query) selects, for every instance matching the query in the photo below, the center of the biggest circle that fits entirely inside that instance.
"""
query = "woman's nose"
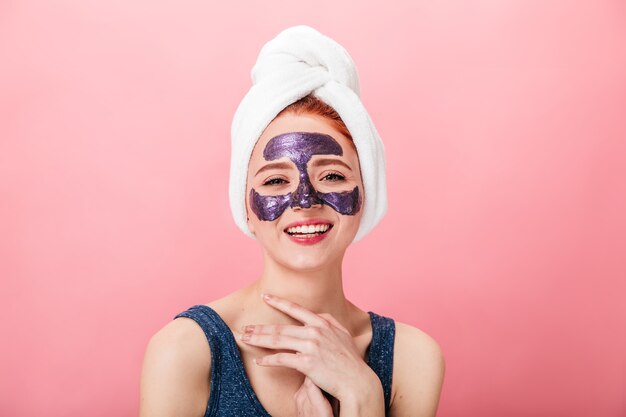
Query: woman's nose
(305, 196)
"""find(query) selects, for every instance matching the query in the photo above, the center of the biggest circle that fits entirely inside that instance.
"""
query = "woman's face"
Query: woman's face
(304, 172)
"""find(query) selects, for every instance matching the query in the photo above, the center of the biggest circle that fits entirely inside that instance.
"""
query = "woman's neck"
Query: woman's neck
(317, 290)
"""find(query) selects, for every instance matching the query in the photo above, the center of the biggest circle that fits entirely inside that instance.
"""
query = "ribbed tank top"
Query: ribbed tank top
(231, 392)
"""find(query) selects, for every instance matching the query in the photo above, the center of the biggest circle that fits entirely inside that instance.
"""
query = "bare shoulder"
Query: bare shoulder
(176, 371)
(418, 373)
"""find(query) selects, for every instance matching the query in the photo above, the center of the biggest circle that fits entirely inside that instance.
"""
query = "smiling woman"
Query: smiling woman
(307, 180)
(330, 192)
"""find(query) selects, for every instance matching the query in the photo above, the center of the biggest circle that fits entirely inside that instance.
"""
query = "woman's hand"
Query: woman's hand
(324, 351)
(310, 401)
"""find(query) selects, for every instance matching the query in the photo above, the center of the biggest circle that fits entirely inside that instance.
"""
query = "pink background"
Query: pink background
(504, 125)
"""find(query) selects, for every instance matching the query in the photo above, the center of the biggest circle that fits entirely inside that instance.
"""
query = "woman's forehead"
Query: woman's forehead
(291, 123)
(301, 146)
(293, 149)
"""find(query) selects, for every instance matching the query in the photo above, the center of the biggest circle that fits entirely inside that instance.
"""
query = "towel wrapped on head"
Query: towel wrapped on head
(300, 61)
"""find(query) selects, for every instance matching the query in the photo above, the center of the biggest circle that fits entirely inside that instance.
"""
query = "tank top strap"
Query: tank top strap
(380, 356)
(230, 393)
(215, 333)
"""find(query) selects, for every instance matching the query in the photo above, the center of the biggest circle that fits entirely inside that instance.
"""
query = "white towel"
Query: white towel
(299, 61)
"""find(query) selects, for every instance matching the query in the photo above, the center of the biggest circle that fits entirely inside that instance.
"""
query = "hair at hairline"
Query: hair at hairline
(312, 105)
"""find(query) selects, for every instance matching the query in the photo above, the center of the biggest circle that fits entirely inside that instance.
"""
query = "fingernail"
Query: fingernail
(267, 296)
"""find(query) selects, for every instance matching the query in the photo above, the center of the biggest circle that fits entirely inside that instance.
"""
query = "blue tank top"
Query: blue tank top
(231, 392)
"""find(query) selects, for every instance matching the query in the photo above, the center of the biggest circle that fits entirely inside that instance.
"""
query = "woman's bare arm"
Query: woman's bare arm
(418, 373)
(175, 376)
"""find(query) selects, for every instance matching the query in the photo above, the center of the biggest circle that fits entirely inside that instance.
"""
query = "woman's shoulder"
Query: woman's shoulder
(176, 363)
(419, 367)
(182, 337)
(410, 339)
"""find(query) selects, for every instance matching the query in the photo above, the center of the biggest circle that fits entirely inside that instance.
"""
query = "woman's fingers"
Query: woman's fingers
(299, 313)
(323, 349)
(285, 329)
(279, 341)
(310, 402)
(334, 321)
(297, 361)
(290, 360)
(295, 310)
(318, 401)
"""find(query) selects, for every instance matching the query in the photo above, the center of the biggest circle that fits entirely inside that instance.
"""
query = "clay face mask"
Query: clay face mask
(299, 147)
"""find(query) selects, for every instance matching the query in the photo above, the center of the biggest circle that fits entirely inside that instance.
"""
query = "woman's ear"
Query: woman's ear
(250, 226)
(248, 209)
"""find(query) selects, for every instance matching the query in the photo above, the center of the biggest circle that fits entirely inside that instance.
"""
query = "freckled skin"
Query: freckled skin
(299, 147)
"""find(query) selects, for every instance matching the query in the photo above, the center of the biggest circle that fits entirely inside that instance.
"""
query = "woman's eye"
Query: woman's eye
(274, 181)
(333, 176)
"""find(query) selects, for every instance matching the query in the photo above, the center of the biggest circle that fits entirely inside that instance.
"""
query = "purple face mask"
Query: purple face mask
(299, 147)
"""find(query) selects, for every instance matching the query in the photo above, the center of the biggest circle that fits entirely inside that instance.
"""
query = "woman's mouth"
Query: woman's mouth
(308, 234)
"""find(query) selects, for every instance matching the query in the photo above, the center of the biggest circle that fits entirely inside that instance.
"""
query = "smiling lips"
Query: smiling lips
(308, 233)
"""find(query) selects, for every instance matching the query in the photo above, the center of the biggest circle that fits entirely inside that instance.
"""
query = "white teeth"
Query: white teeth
(309, 229)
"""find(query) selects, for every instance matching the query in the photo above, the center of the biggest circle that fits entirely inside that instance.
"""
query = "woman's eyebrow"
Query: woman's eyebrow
(328, 161)
(274, 165)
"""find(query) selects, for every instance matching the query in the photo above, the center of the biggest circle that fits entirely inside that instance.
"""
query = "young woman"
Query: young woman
(291, 343)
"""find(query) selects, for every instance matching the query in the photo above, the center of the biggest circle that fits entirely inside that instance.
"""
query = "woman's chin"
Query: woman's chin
(306, 262)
